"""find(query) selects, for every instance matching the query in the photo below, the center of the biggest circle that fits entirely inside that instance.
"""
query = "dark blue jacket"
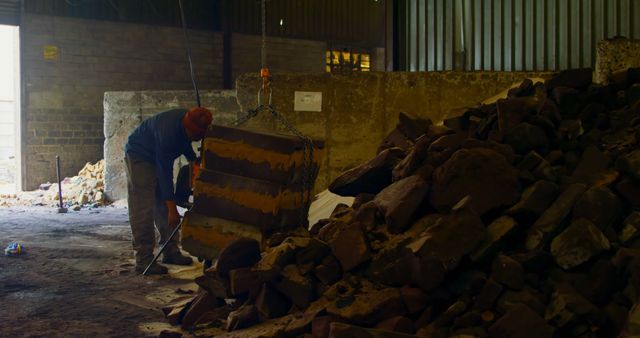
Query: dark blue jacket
(161, 139)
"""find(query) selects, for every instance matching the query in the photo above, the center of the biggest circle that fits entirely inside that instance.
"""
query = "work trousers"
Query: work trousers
(146, 208)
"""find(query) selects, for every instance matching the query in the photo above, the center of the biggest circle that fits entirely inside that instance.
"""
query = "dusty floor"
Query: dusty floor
(76, 278)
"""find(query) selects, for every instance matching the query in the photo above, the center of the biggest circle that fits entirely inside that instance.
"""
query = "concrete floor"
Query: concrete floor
(76, 278)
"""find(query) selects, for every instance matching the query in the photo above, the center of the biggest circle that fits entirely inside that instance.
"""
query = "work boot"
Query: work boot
(155, 269)
(174, 256)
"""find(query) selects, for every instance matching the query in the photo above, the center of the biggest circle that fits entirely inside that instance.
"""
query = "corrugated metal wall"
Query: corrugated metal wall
(201, 14)
(9, 12)
(350, 22)
(356, 22)
(508, 35)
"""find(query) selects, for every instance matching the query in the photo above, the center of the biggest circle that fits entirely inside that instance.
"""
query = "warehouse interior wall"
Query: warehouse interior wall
(69, 64)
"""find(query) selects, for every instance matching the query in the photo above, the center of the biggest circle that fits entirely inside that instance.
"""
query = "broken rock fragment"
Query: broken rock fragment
(578, 78)
(525, 137)
(274, 259)
(412, 126)
(370, 306)
(567, 307)
(535, 200)
(508, 272)
(414, 299)
(630, 164)
(203, 303)
(350, 247)
(532, 298)
(299, 289)
(328, 271)
(591, 165)
(547, 225)
(488, 295)
(243, 280)
(629, 190)
(370, 177)
(452, 238)
(397, 324)
(271, 303)
(393, 266)
(240, 253)
(600, 206)
(399, 201)
(483, 174)
(578, 243)
(497, 236)
(521, 322)
(245, 316)
(340, 330)
(413, 160)
(630, 228)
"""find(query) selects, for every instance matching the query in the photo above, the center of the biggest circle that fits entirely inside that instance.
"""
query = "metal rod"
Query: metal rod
(59, 183)
(175, 231)
(263, 50)
(186, 41)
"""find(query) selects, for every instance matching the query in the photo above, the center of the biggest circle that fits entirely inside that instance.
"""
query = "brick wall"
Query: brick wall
(63, 97)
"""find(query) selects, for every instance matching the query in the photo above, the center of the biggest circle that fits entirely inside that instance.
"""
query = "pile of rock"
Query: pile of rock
(516, 219)
(85, 189)
(94, 171)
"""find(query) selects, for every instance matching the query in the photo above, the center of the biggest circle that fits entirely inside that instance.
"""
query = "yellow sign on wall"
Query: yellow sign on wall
(51, 52)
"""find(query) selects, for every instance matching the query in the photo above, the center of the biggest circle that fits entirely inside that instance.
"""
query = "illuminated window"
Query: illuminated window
(346, 60)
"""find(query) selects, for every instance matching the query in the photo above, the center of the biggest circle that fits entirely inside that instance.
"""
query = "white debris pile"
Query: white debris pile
(86, 189)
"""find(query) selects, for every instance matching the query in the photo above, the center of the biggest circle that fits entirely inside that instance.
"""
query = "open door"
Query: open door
(9, 110)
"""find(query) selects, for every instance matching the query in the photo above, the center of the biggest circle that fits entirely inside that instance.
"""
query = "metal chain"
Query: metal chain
(189, 53)
(307, 159)
(308, 170)
(264, 34)
(246, 117)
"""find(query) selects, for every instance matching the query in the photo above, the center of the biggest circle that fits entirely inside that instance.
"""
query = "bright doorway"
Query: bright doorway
(9, 110)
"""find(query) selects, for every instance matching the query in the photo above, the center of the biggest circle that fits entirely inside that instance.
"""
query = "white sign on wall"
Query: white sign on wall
(308, 101)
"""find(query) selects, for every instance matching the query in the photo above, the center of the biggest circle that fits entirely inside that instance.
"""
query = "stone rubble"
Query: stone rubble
(520, 218)
(83, 190)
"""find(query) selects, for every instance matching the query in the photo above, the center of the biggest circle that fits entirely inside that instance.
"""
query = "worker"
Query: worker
(149, 155)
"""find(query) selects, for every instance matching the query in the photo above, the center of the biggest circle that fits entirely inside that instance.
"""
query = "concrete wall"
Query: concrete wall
(124, 111)
(359, 110)
(616, 54)
(63, 96)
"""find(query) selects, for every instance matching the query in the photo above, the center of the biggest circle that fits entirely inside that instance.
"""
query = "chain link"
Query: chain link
(307, 165)
(246, 117)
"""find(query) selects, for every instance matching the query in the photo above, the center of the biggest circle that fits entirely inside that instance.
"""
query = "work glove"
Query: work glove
(173, 217)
